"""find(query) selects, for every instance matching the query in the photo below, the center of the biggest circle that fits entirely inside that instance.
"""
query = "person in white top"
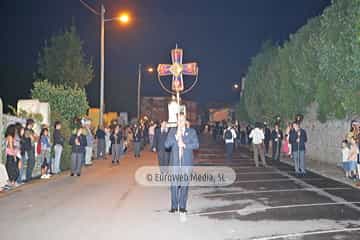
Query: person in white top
(257, 136)
(229, 137)
(152, 134)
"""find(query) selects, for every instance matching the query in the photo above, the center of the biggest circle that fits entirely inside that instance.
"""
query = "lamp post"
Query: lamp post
(124, 19)
(149, 70)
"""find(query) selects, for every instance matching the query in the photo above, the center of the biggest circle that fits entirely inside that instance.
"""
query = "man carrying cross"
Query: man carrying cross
(182, 139)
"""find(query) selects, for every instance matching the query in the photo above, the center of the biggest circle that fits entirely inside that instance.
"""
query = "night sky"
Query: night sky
(222, 36)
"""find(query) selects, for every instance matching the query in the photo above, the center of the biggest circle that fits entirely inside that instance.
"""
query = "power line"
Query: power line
(89, 7)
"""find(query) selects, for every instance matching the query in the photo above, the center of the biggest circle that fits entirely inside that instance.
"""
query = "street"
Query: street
(107, 203)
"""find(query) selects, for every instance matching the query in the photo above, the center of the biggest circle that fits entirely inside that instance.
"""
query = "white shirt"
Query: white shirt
(152, 130)
(257, 136)
(345, 154)
(233, 135)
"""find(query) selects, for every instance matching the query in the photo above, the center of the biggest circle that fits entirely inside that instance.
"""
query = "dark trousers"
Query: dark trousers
(163, 157)
(276, 150)
(12, 168)
(266, 143)
(77, 162)
(179, 190)
(30, 163)
(229, 151)
(100, 148)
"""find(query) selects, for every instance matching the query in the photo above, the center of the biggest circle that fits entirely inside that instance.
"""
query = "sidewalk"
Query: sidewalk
(334, 172)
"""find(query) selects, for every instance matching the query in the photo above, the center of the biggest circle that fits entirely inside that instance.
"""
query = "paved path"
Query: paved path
(107, 203)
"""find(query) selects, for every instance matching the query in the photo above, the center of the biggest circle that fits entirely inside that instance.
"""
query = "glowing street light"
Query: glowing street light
(124, 18)
(236, 86)
(150, 69)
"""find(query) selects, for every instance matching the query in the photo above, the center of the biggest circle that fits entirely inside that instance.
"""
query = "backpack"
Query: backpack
(228, 134)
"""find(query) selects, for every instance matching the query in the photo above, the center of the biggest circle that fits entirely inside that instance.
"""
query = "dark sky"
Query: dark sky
(221, 35)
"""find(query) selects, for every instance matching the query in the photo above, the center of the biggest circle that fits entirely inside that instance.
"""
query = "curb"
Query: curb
(352, 184)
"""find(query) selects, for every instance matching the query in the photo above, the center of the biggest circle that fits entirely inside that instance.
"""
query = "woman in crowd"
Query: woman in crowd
(353, 155)
(78, 143)
(19, 144)
(45, 154)
(117, 144)
(11, 155)
(58, 147)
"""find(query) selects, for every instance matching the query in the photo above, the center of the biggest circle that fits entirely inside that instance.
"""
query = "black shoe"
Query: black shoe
(78, 175)
(71, 175)
(173, 210)
(118, 162)
(183, 210)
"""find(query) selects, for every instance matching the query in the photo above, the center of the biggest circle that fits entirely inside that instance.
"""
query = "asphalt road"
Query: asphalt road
(106, 202)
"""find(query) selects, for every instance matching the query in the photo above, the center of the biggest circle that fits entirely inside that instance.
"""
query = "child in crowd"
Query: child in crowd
(45, 153)
(347, 165)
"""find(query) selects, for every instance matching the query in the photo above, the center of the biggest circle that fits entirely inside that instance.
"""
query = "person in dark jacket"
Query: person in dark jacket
(298, 139)
(58, 140)
(159, 146)
(276, 137)
(101, 144)
(183, 141)
(136, 131)
(116, 139)
(29, 146)
(267, 134)
(78, 143)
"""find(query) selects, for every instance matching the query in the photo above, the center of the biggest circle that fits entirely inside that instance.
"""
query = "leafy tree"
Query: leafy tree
(62, 60)
(320, 63)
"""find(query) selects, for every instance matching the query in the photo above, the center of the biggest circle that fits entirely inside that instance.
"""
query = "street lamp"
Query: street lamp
(123, 18)
(149, 70)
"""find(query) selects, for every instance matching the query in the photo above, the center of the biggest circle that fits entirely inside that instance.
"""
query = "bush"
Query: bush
(69, 102)
(66, 104)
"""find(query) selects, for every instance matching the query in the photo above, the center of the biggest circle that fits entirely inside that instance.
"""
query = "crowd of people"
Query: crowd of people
(350, 152)
(25, 147)
(266, 142)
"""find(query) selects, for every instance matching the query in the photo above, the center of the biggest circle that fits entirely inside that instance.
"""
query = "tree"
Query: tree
(67, 101)
(62, 61)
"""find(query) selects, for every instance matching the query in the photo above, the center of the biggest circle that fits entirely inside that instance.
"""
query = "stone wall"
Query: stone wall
(324, 139)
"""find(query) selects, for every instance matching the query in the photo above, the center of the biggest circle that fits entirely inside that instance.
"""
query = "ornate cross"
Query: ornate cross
(177, 69)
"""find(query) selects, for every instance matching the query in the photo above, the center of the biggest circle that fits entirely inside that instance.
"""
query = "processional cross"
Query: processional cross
(177, 69)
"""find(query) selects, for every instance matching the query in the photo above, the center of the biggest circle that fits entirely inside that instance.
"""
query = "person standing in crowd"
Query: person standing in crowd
(101, 143)
(348, 166)
(276, 137)
(137, 140)
(29, 147)
(267, 138)
(298, 139)
(248, 131)
(352, 159)
(117, 144)
(45, 148)
(107, 140)
(11, 155)
(151, 135)
(182, 141)
(159, 146)
(89, 144)
(257, 137)
(287, 135)
(78, 143)
(229, 137)
(19, 145)
(58, 140)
